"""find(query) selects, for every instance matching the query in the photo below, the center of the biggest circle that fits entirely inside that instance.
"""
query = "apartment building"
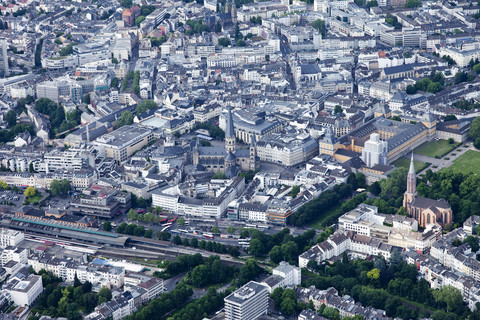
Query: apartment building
(10, 238)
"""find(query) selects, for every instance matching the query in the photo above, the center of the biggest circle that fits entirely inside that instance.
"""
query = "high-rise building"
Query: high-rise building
(4, 71)
(247, 303)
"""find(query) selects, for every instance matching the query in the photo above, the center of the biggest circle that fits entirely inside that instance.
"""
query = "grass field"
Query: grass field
(333, 211)
(435, 148)
(405, 163)
(467, 162)
(33, 199)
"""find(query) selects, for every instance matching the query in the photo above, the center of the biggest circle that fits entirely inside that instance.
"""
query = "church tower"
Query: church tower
(196, 153)
(233, 12)
(253, 153)
(411, 192)
(230, 140)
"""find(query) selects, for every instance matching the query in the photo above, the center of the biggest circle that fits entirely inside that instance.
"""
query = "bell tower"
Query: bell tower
(230, 140)
(253, 154)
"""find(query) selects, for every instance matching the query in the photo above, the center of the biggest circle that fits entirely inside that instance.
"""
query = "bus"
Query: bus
(163, 221)
(141, 211)
(208, 236)
(166, 227)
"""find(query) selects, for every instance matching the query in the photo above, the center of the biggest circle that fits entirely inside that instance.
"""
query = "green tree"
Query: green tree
(413, 3)
(114, 83)
(474, 131)
(107, 226)
(181, 221)
(139, 20)
(3, 185)
(288, 307)
(215, 229)
(256, 247)
(295, 191)
(230, 230)
(30, 192)
(450, 117)
(145, 105)
(60, 187)
(338, 109)
(126, 118)
(104, 295)
(224, 42)
(11, 118)
(411, 89)
(449, 295)
(319, 25)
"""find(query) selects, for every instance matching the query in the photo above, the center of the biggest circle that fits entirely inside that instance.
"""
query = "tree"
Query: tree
(256, 247)
(373, 274)
(319, 25)
(338, 109)
(474, 131)
(11, 118)
(145, 105)
(375, 188)
(139, 20)
(224, 42)
(473, 242)
(450, 117)
(181, 221)
(476, 68)
(114, 83)
(115, 61)
(295, 191)
(230, 230)
(288, 307)
(3, 185)
(104, 295)
(107, 226)
(215, 229)
(148, 233)
(240, 43)
(126, 118)
(60, 187)
(30, 192)
(411, 89)
(413, 3)
(177, 240)
(449, 295)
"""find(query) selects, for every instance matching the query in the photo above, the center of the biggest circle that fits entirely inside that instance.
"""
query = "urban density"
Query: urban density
(239, 159)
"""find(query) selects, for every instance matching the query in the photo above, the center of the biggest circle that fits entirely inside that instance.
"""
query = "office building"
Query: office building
(4, 71)
(247, 303)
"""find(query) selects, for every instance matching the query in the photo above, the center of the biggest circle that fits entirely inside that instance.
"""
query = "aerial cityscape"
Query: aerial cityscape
(239, 159)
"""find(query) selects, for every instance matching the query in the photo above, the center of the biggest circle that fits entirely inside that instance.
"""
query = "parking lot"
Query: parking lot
(11, 198)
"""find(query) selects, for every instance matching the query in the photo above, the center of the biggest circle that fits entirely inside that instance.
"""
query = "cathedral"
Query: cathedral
(424, 210)
(230, 159)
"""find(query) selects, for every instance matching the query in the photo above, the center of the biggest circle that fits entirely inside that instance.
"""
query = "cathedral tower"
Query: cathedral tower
(230, 140)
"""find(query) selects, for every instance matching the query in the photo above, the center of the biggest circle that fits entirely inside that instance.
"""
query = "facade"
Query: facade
(425, 210)
(247, 303)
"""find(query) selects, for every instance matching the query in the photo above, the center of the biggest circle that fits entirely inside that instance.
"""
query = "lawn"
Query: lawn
(35, 198)
(437, 148)
(405, 163)
(318, 224)
(468, 162)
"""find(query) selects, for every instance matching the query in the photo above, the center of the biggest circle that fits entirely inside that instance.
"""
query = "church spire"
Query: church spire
(412, 178)
(230, 140)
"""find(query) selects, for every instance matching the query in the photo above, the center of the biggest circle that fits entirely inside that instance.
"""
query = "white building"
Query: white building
(247, 303)
(10, 238)
(375, 151)
(24, 292)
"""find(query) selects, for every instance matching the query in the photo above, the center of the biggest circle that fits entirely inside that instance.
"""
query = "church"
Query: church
(424, 210)
(229, 159)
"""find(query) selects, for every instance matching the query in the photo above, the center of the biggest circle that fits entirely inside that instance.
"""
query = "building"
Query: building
(228, 159)
(285, 275)
(247, 303)
(122, 143)
(10, 238)
(24, 292)
(4, 70)
(425, 210)
(287, 149)
(375, 151)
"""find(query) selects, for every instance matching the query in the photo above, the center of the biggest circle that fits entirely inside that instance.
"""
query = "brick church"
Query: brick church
(425, 210)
